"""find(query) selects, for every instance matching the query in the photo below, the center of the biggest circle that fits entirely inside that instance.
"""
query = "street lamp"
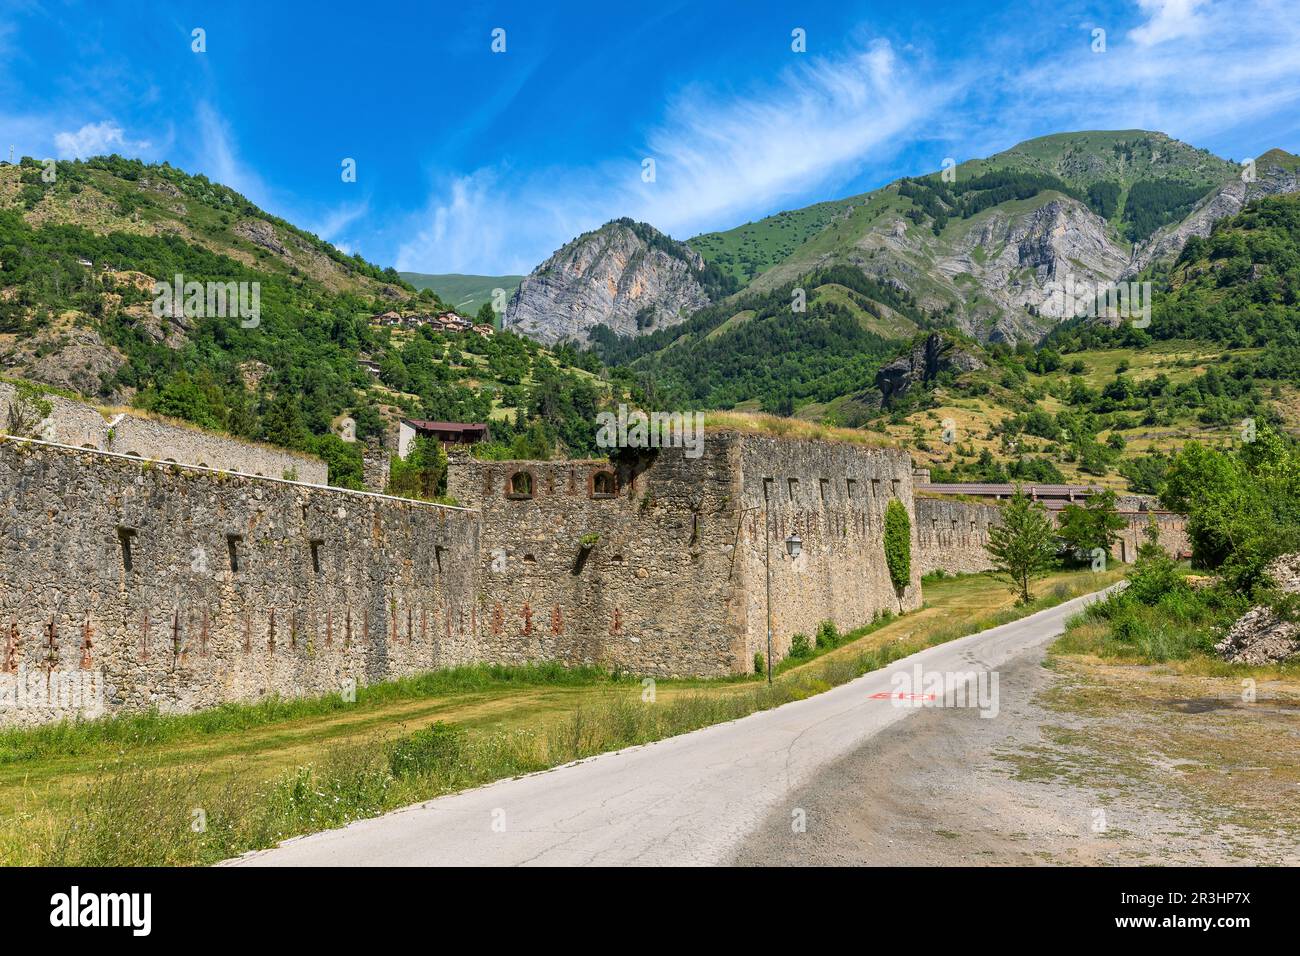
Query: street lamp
(793, 545)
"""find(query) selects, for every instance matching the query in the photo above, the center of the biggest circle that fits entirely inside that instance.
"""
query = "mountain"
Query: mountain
(1096, 206)
(1099, 403)
(625, 276)
(464, 293)
(984, 245)
(79, 256)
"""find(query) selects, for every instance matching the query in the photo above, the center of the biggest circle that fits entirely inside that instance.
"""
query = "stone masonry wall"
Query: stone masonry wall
(127, 584)
(234, 587)
(84, 426)
(652, 594)
(833, 497)
(675, 582)
(951, 534)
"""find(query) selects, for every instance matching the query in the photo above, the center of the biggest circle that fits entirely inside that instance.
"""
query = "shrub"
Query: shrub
(433, 751)
(828, 635)
(898, 544)
(800, 646)
(760, 663)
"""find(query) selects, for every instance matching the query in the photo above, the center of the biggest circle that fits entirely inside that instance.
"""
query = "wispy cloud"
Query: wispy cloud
(332, 226)
(218, 156)
(1193, 68)
(96, 139)
(716, 158)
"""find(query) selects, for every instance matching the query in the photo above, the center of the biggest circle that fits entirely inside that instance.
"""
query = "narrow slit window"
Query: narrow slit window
(126, 537)
(232, 548)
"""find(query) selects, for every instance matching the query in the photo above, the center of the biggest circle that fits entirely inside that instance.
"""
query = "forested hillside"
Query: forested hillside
(78, 257)
(1221, 359)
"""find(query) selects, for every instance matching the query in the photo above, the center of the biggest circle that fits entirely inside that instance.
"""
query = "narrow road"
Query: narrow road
(688, 800)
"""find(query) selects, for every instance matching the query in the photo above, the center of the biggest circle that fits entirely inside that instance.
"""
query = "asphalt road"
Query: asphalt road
(695, 799)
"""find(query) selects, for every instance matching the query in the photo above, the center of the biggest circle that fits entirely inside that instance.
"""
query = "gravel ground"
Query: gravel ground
(1085, 764)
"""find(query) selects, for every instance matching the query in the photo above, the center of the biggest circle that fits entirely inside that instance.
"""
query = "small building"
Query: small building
(486, 331)
(453, 322)
(370, 366)
(449, 433)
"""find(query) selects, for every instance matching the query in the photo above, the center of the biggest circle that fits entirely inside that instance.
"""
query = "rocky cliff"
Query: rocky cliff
(928, 357)
(625, 276)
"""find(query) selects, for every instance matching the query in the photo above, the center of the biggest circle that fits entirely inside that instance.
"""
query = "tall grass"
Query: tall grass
(1176, 625)
(71, 738)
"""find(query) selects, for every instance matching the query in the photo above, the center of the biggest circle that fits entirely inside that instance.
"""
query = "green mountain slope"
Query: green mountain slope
(1099, 403)
(78, 259)
(980, 244)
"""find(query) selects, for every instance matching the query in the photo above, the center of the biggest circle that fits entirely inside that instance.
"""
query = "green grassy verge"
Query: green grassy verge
(194, 789)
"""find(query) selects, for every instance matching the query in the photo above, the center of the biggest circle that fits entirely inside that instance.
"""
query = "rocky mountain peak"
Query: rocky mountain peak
(625, 276)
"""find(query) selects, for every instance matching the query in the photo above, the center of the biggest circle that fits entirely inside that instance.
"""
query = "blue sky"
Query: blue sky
(473, 161)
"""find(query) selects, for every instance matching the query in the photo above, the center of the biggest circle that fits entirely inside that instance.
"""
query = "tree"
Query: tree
(1243, 508)
(1154, 573)
(486, 315)
(1022, 544)
(28, 408)
(346, 469)
(422, 474)
(1095, 525)
(898, 545)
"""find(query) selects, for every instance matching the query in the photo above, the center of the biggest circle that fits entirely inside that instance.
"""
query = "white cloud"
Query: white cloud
(1168, 20)
(96, 139)
(335, 221)
(1231, 65)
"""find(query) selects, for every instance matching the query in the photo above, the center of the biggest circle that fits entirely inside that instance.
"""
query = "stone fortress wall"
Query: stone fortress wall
(657, 563)
(128, 584)
(82, 425)
(154, 585)
(951, 534)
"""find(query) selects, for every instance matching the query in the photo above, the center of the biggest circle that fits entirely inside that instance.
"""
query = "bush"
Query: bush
(433, 751)
(760, 663)
(828, 635)
(800, 646)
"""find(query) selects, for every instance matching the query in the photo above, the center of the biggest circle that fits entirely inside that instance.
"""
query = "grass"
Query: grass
(757, 423)
(194, 789)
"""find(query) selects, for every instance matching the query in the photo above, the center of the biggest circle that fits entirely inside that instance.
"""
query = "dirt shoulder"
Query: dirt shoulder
(1087, 763)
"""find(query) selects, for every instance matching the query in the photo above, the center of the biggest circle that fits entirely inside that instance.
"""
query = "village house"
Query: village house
(449, 433)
